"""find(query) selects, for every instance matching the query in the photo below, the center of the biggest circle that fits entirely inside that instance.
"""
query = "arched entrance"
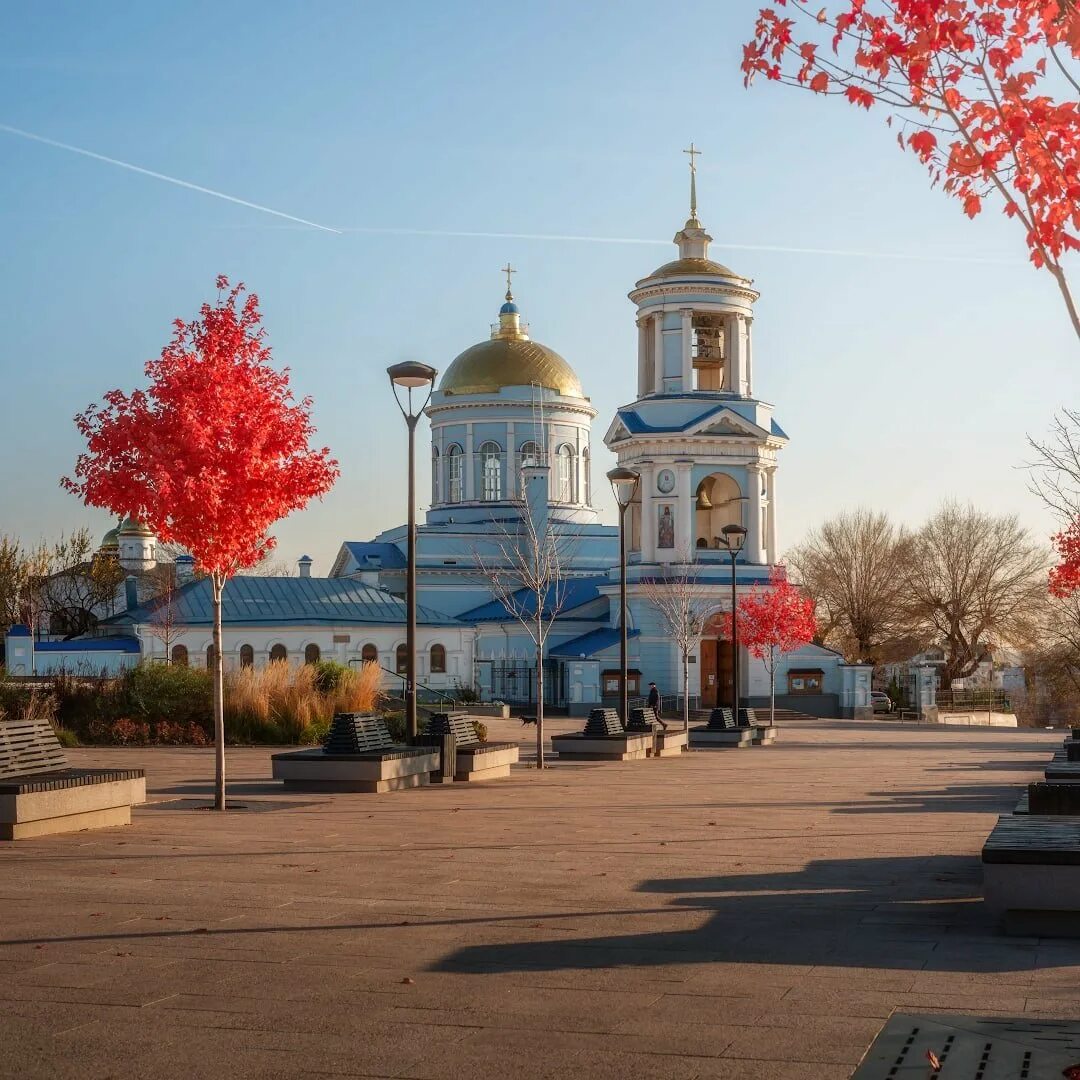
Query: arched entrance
(714, 657)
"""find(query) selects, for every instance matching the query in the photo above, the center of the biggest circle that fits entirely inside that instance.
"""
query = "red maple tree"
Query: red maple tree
(210, 455)
(971, 85)
(1065, 577)
(775, 619)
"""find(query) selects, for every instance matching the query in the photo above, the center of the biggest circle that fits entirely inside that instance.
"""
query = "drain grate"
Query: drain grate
(971, 1048)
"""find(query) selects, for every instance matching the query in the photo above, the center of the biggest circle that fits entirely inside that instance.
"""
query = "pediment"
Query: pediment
(616, 431)
(727, 422)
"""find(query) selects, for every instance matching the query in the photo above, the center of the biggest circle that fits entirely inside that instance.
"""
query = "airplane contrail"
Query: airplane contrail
(161, 176)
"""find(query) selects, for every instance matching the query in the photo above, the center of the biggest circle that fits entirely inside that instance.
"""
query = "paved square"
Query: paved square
(748, 914)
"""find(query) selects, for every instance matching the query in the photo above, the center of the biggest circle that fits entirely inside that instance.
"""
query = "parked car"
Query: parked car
(880, 701)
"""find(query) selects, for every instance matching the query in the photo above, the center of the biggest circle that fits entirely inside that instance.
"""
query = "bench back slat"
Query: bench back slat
(358, 733)
(457, 724)
(603, 723)
(29, 746)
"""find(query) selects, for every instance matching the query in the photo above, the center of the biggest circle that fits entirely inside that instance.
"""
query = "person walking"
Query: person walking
(653, 701)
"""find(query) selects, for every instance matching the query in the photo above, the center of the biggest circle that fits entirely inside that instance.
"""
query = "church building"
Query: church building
(511, 454)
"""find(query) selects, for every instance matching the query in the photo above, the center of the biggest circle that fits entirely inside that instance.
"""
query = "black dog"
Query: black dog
(527, 720)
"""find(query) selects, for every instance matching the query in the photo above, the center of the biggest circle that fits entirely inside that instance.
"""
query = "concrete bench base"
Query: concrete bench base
(40, 805)
(669, 743)
(474, 763)
(312, 770)
(701, 738)
(630, 746)
(1031, 865)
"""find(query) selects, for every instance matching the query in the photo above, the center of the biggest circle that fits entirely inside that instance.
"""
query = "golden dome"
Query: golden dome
(490, 365)
(681, 267)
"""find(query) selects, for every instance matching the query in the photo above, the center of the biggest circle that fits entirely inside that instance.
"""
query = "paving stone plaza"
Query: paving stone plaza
(742, 914)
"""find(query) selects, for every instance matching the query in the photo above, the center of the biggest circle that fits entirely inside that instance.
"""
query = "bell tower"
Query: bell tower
(705, 448)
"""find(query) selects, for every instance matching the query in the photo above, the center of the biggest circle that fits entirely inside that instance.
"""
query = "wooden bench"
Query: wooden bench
(1053, 799)
(41, 794)
(359, 754)
(604, 739)
(475, 760)
(1031, 873)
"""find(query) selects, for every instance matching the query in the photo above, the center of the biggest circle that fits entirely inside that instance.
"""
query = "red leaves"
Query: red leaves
(215, 450)
(778, 617)
(923, 143)
(1065, 577)
(974, 69)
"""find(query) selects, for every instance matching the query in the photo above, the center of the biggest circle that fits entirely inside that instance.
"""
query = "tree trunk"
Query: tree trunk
(686, 692)
(1067, 296)
(540, 705)
(772, 687)
(218, 583)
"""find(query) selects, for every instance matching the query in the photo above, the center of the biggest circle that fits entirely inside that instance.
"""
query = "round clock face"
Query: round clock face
(665, 481)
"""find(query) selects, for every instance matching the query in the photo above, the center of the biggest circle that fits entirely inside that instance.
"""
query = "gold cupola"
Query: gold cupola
(509, 358)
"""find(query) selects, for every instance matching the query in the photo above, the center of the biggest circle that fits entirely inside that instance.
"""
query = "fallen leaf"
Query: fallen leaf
(935, 1063)
(407, 981)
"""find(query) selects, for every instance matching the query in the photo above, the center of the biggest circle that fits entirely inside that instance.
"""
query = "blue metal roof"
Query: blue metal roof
(305, 601)
(636, 426)
(108, 644)
(563, 596)
(375, 556)
(589, 644)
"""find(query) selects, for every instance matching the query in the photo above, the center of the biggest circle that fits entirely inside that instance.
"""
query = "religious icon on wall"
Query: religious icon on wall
(665, 528)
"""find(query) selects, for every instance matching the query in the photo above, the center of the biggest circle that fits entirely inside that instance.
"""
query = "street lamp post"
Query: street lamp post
(624, 483)
(734, 538)
(409, 376)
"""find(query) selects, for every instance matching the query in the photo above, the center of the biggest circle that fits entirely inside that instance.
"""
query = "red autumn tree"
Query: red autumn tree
(210, 455)
(984, 92)
(1065, 577)
(773, 620)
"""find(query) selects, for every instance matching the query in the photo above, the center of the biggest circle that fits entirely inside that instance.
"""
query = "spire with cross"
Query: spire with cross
(693, 152)
(508, 270)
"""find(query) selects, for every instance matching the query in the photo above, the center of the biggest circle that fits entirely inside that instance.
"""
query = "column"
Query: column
(510, 474)
(750, 359)
(687, 350)
(770, 538)
(646, 487)
(753, 509)
(733, 331)
(658, 352)
(469, 464)
(553, 466)
(684, 514)
(643, 386)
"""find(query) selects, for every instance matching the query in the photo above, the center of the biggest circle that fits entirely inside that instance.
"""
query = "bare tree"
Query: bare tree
(852, 569)
(1056, 468)
(76, 587)
(1052, 664)
(681, 603)
(526, 576)
(163, 621)
(969, 578)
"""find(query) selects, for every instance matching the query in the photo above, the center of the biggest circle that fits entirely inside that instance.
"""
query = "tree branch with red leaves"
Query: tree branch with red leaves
(967, 82)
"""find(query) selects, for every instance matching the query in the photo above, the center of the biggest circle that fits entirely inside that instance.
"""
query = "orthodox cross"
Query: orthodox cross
(508, 270)
(693, 152)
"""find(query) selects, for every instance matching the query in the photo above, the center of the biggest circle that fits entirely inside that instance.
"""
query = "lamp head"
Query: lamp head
(411, 374)
(624, 483)
(734, 537)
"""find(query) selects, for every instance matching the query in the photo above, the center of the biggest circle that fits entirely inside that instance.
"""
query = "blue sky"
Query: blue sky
(901, 381)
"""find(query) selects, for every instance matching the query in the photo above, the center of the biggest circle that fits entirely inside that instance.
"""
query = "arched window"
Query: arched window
(209, 657)
(529, 454)
(565, 485)
(453, 473)
(369, 654)
(312, 654)
(247, 656)
(491, 471)
(438, 659)
(586, 466)
(180, 655)
(402, 659)
(436, 476)
(278, 652)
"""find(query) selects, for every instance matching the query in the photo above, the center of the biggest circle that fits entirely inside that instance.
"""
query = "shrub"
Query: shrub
(481, 730)
(329, 675)
(122, 732)
(467, 695)
(66, 738)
